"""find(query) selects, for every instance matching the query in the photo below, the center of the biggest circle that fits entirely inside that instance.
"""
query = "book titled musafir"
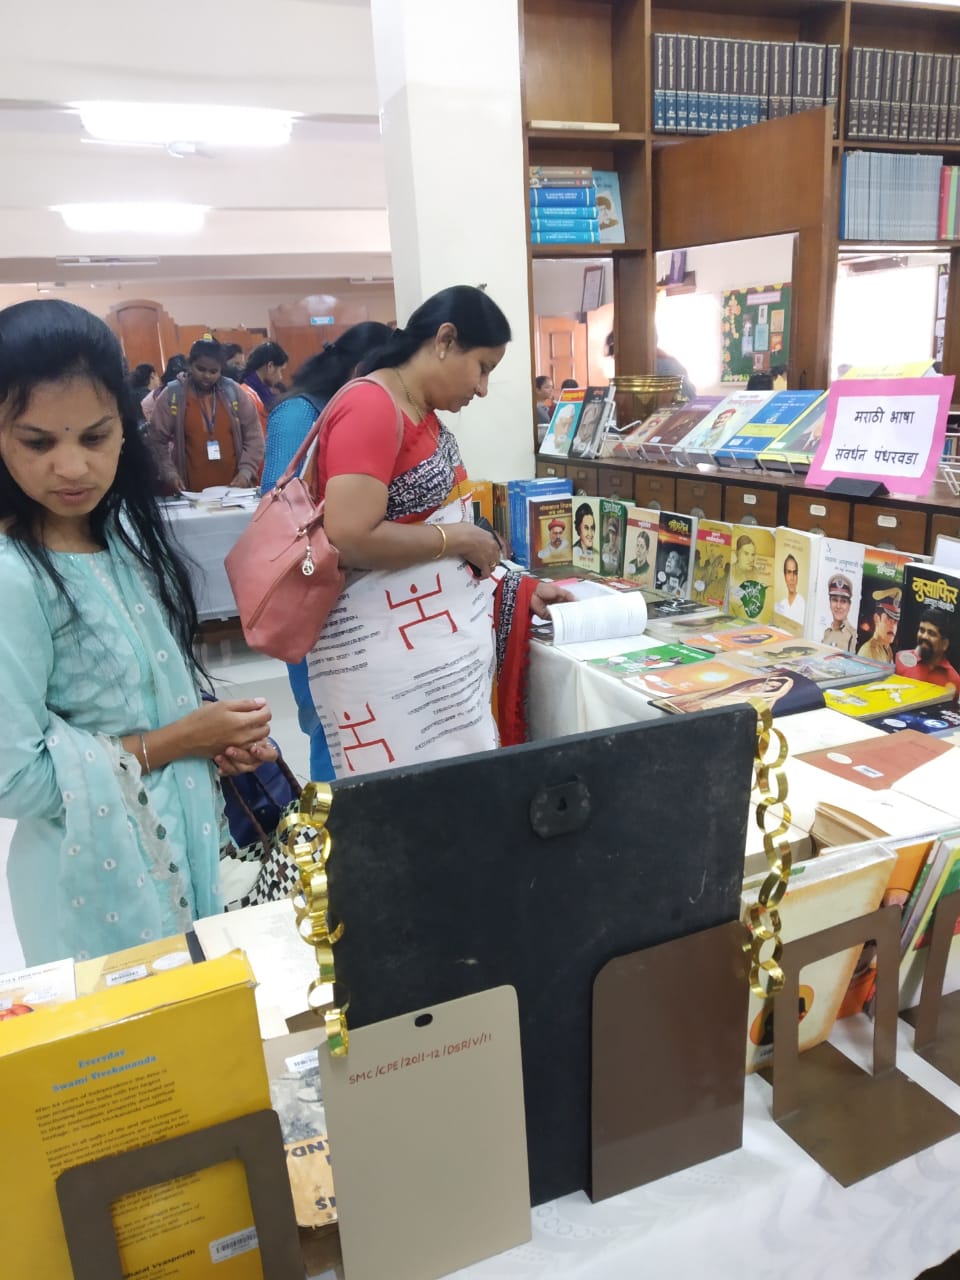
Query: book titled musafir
(927, 645)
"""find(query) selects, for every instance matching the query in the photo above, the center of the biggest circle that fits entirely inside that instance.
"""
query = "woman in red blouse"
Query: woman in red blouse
(403, 669)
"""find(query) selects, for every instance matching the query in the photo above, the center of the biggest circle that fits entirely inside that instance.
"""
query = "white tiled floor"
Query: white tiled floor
(238, 673)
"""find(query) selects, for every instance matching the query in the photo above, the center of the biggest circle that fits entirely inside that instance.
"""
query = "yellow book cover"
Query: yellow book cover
(752, 573)
(879, 698)
(911, 369)
(121, 1069)
(711, 563)
(825, 891)
(481, 495)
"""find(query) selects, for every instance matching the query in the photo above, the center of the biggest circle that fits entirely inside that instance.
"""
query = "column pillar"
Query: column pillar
(448, 82)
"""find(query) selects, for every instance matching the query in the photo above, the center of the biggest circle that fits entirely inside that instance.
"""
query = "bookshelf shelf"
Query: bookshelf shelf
(586, 250)
(596, 60)
(584, 137)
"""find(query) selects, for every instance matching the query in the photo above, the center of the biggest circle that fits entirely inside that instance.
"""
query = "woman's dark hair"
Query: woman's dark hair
(230, 349)
(324, 374)
(540, 380)
(265, 353)
(139, 379)
(568, 383)
(478, 320)
(580, 514)
(760, 382)
(208, 347)
(48, 340)
(174, 367)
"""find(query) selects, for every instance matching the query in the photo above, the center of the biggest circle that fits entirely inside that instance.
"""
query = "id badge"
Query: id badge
(213, 450)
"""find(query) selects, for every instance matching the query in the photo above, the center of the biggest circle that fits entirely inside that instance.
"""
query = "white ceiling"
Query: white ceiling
(313, 209)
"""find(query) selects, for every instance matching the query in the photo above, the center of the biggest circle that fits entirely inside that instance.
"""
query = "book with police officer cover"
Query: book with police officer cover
(881, 598)
(837, 601)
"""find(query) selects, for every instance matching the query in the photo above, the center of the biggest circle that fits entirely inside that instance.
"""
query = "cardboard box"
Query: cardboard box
(118, 1070)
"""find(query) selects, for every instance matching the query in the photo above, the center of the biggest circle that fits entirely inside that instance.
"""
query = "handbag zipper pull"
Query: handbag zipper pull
(308, 567)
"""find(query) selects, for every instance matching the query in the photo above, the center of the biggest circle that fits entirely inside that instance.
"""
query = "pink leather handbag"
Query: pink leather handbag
(285, 574)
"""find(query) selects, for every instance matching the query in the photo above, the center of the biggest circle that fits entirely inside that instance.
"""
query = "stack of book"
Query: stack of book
(896, 95)
(563, 205)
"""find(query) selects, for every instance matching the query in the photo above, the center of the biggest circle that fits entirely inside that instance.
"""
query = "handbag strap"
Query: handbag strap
(314, 433)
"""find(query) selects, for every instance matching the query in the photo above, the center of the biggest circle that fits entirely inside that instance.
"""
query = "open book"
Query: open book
(598, 612)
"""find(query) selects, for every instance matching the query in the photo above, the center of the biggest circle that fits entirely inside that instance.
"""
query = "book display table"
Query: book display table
(206, 535)
(567, 695)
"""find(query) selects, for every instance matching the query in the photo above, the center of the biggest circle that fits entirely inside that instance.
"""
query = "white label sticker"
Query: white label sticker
(817, 510)
(302, 1062)
(750, 499)
(132, 974)
(887, 522)
(233, 1246)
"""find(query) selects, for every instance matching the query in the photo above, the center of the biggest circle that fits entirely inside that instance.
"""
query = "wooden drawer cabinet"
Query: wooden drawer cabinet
(948, 526)
(895, 527)
(701, 498)
(615, 484)
(584, 479)
(819, 515)
(744, 504)
(547, 468)
(658, 492)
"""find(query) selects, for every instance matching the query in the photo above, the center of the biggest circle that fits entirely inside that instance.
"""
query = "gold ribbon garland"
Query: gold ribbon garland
(766, 974)
(304, 835)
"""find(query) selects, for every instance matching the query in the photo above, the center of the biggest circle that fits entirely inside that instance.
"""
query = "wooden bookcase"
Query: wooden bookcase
(591, 60)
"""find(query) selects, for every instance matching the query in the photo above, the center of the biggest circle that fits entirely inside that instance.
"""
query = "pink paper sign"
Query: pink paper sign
(889, 429)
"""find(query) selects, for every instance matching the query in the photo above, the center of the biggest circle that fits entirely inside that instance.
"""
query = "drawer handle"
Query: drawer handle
(748, 519)
(698, 512)
(750, 499)
(887, 522)
(654, 505)
(818, 530)
(817, 510)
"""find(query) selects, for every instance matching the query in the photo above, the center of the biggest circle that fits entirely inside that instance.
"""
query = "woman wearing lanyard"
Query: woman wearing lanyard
(204, 430)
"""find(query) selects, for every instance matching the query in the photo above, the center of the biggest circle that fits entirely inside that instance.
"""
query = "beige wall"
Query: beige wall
(219, 303)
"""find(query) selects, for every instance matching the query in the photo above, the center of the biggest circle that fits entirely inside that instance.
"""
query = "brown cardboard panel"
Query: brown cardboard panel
(428, 1139)
(852, 1123)
(669, 1029)
(86, 1193)
(937, 1017)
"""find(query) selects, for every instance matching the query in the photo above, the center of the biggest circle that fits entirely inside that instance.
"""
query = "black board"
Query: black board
(445, 888)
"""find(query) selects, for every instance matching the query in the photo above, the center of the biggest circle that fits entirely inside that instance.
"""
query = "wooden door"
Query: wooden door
(562, 349)
(147, 333)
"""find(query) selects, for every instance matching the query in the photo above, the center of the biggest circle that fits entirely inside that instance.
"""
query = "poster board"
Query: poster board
(755, 330)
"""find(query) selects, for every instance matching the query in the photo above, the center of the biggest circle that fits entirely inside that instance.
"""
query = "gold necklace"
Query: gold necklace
(422, 413)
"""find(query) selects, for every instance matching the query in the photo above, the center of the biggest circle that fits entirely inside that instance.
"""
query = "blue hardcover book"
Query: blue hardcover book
(556, 219)
(591, 236)
(518, 491)
(562, 197)
(766, 425)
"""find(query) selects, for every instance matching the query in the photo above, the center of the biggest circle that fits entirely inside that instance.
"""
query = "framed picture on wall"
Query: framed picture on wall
(755, 330)
(592, 294)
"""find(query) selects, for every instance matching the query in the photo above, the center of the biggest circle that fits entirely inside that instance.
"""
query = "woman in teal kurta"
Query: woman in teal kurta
(108, 760)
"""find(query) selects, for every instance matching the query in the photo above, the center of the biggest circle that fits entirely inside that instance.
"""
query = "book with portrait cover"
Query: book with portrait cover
(550, 531)
(586, 533)
(660, 657)
(881, 598)
(640, 546)
(613, 524)
(563, 424)
(726, 634)
(610, 206)
(625, 441)
(720, 682)
(750, 597)
(794, 450)
(927, 644)
(825, 666)
(796, 554)
(730, 416)
(591, 422)
(658, 443)
(837, 886)
(675, 549)
(711, 562)
(766, 425)
(836, 604)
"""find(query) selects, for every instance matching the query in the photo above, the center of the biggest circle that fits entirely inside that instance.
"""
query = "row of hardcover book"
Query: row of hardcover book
(896, 95)
(894, 196)
(708, 84)
(575, 206)
(775, 430)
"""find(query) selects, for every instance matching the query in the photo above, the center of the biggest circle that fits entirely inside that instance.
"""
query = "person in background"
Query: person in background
(233, 361)
(108, 761)
(569, 384)
(762, 381)
(175, 365)
(425, 589)
(670, 366)
(291, 418)
(263, 376)
(142, 381)
(778, 372)
(204, 430)
(544, 389)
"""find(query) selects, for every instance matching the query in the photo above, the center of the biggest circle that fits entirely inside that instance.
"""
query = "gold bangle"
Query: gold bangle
(443, 542)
